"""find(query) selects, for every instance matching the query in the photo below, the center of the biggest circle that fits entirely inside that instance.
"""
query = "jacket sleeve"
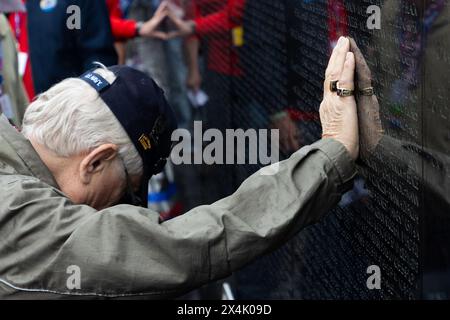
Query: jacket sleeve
(124, 250)
(122, 29)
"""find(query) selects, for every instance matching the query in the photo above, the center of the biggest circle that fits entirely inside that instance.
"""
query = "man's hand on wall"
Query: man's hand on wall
(338, 114)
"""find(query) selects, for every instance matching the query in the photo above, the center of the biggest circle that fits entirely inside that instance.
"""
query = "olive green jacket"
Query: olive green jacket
(124, 251)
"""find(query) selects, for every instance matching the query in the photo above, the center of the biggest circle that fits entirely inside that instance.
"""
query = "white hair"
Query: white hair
(70, 118)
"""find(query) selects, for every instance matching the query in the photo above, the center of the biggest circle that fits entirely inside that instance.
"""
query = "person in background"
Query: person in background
(159, 58)
(58, 52)
(219, 22)
(122, 30)
(125, 29)
(13, 99)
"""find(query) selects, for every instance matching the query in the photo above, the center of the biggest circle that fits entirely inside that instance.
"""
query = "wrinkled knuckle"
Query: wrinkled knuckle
(333, 75)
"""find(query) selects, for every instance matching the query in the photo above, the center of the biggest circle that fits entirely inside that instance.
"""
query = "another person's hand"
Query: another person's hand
(289, 133)
(370, 128)
(149, 28)
(338, 114)
(194, 79)
(184, 27)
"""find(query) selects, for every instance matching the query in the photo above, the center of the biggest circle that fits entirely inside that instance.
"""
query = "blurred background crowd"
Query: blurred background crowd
(258, 64)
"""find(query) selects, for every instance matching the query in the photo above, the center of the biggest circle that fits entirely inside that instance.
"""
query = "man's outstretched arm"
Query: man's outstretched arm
(124, 250)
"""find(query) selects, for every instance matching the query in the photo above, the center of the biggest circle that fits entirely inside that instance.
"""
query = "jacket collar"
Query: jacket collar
(28, 159)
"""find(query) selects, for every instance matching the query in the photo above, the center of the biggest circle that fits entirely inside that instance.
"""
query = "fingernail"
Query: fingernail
(340, 41)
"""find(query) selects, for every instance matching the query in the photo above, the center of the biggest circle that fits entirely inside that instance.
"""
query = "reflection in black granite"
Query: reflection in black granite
(397, 215)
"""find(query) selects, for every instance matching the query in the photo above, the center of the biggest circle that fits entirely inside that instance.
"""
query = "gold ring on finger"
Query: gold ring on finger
(341, 92)
(334, 85)
(367, 91)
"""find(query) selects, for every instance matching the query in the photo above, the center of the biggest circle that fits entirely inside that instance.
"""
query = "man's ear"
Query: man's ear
(96, 160)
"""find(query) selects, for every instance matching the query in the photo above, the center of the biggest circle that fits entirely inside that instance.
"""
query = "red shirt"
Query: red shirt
(122, 29)
(216, 19)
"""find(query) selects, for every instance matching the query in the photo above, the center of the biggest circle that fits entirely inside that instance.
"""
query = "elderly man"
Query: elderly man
(86, 141)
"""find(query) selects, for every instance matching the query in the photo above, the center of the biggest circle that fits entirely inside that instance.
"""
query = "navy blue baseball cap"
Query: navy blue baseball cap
(141, 108)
